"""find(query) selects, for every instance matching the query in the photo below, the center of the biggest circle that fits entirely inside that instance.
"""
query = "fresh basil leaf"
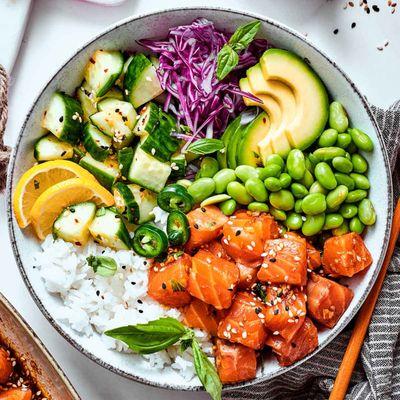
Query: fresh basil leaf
(102, 265)
(226, 61)
(206, 372)
(244, 35)
(205, 146)
(151, 337)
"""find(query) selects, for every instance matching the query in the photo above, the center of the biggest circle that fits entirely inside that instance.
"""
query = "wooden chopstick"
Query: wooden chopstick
(363, 319)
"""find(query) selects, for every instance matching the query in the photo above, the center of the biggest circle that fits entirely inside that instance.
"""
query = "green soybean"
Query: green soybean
(316, 187)
(313, 224)
(351, 148)
(342, 164)
(244, 172)
(360, 164)
(285, 179)
(299, 191)
(361, 140)
(361, 181)
(297, 206)
(294, 221)
(256, 188)
(337, 196)
(348, 155)
(184, 182)
(313, 204)
(308, 179)
(261, 173)
(355, 196)
(272, 170)
(222, 178)
(356, 225)
(341, 230)
(332, 221)
(273, 184)
(343, 179)
(296, 164)
(275, 159)
(279, 215)
(282, 200)
(338, 117)
(239, 193)
(328, 138)
(366, 212)
(343, 140)
(228, 207)
(328, 153)
(257, 206)
(313, 161)
(348, 211)
(208, 167)
(325, 176)
(309, 165)
(201, 189)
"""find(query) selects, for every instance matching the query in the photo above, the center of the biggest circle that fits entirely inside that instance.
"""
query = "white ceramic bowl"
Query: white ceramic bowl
(123, 36)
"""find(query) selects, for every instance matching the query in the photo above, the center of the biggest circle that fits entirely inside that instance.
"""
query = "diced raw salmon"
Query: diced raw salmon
(205, 225)
(6, 368)
(244, 237)
(345, 255)
(313, 257)
(235, 363)
(244, 322)
(16, 394)
(201, 315)
(327, 300)
(168, 281)
(304, 342)
(217, 249)
(213, 279)
(248, 276)
(285, 310)
(285, 261)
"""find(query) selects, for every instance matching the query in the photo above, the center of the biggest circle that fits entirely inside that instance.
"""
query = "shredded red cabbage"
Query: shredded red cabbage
(187, 71)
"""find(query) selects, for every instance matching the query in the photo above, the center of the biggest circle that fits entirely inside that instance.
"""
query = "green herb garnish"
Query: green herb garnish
(102, 265)
(205, 146)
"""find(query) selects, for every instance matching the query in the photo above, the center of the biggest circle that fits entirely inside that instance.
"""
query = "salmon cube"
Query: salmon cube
(217, 249)
(202, 316)
(16, 394)
(6, 368)
(247, 276)
(313, 257)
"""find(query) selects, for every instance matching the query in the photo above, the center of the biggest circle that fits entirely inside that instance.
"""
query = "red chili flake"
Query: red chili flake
(92, 61)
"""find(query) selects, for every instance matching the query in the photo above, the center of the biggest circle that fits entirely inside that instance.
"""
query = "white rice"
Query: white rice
(93, 304)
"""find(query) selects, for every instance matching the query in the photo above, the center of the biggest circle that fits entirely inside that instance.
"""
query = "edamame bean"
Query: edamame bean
(332, 221)
(338, 117)
(348, 155)
(261, 173)
(313, 160)
(342, 164)
(275, 159)
(309, 166)
(285, 179)
(217, 198)
(282, 200)
(255, 187)
(343, 140)
(337, 196)
(366, 212)
(279, 215)
(297, 206)
(258, 207)
(208, 167)
(239, 193)
(272, 170)
(356, 225)
(355, 196)
(313, 224)
(325, 176)
(352, 148)
(343, 179)
(328, 138)
(201, 189)
(361, 181)
(299, 191)
(348, 211)
(361, 140)
(328, 153)
(316, 187)
(313, 204)
(184, 182)
(244, 172)
(294, 221)
(228, 207)
(273, 184)
(222, 178)
(296, 164)
(342, 230)
(360, 164)
(308, 179)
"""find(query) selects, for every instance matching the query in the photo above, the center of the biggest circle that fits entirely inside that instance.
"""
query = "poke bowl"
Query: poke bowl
(258, 112)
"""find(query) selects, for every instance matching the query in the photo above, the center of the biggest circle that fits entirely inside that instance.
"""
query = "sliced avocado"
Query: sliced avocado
(232, 145)
(231, 128)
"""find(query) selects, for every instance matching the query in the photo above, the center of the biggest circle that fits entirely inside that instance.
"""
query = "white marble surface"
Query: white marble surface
(57, 27)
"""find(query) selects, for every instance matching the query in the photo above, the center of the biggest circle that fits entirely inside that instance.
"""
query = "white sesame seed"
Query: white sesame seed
(275, 333)
(244, 334)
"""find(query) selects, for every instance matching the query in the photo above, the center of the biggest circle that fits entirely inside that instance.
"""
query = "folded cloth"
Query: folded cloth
(377, 373)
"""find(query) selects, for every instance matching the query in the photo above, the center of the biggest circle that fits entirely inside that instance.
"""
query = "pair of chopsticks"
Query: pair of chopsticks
(364, 317)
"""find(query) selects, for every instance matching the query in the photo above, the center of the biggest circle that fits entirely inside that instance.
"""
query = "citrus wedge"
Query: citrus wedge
(53, 200)
(39, 178)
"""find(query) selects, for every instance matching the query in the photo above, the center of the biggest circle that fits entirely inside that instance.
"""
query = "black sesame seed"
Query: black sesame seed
(141, 311)
(123, 266)
(196, 226)
(203, 209)
(273, 259)
(257, 310)
(353, 25)
(375, 8)
(287, 308)
(276, 312)
(164, 286)
(98, 292)
(140, 301)
(336, 31)
(61, 119)
(293, 344)
(103, 251)
(238, 232)
(133, 283)
(144, 262)
(63, 153)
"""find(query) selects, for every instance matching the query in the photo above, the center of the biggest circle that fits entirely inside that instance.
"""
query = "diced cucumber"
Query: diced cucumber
(141, 83)
(106, 172)
(148, 172)
(178, 165)
(125, 202)
(102, 70)
(148, 119)
(146, 200)
(63, 117)
(123, 108)
(109, 230)
(96, 143)
(125, 158)
(114, 93)
(120, 80)
(49, 148)
(72, 225)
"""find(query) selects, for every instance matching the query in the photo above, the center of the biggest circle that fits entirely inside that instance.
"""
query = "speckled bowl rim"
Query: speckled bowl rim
(342, 323)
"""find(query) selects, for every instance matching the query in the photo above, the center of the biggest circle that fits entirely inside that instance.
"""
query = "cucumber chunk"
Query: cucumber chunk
(125, 158)
(109, 229)
(178, 165)
(72, 225)
(49, 148)
(120, 81)
(123, 108)
(96, 143)
(102, 70)
(63, 117)
(141, 83)
(146, 200)
(125, 202)
(148, 172)
(148, 119)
